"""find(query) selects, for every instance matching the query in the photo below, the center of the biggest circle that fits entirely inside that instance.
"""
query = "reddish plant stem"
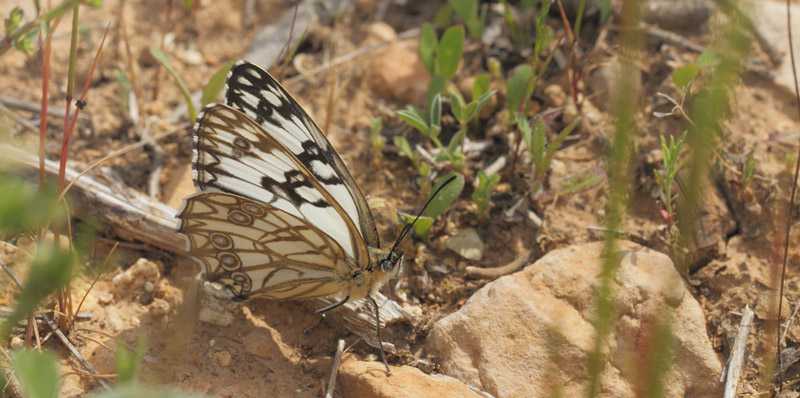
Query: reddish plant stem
(791, 197)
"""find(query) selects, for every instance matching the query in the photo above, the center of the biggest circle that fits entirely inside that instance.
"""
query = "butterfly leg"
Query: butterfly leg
(333, 306)
(380, 342)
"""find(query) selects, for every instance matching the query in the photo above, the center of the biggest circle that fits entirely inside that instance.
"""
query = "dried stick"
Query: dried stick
(335, 369)
(15, 103)
(737, 357)
(491, 273)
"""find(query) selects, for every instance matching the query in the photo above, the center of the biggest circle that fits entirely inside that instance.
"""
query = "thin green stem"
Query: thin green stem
(7, 41)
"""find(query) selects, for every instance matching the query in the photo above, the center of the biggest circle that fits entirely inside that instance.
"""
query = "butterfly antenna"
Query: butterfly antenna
(408, 227)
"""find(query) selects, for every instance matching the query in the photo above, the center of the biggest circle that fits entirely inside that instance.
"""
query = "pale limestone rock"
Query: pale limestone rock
(467, 243)
(397, 73)
(368, 379)
(528, 333)
(136, 277)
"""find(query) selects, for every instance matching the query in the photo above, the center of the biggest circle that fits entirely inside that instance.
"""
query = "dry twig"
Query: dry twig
(335, 369)
(737, 357)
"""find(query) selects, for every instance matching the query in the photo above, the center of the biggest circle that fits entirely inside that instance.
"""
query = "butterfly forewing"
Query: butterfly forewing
(254, 92)
(260, 250)
(235, 155)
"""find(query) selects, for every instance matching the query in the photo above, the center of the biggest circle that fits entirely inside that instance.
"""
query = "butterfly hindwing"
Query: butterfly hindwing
(234, 154)
(259, 250)
(258, 95)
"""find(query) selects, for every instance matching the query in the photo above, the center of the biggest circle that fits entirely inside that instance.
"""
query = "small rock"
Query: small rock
(159, 307)
(764, 303)
(113, 319)
(217, 306)
(769, 19)
(369, 379)
(467, 244)
(602, 83)
(103, 297)
(397, 73)
(222, 358)
(382, 31)
(136, 277)
(552, 302)
(555, 95)
(17, 342)
(191, 57)
(260, 344)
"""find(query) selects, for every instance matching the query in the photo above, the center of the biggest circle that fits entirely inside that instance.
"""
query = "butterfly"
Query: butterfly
(277, 214)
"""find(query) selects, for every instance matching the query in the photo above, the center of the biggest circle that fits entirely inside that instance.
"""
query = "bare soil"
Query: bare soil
(279, 348)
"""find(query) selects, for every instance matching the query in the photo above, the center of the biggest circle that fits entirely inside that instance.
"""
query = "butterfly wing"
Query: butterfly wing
(260, 250)
(234, 154)
(258, 95)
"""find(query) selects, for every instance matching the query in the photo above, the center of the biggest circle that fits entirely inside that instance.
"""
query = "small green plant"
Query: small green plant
(415, 117)
(187, 96)
(540, 151)
(683, 78)
(378, 141)
(37, 373)
(467, 10)
(215, 84)
(482, 194)
(465, 112)
(438, 205)
(748, 170)
(666, 178)
(441, 57)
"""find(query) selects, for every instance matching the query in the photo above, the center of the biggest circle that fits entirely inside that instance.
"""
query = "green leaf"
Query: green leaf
(38, 373)
(538, 144)
(124, 89)
(444, 17)
(294, 48)
(427, 48)
(137, 391)
(421, 226)
(13, 20)
(25, 208)
(556, 143)
(435, 87)
(516, 87)
(684, 75)
(413, 119)
(435, 111)
(51, 270)
(525, 129)
(467, 10)
(402, 144)
(452, 147)
(482, 101)
(187, 96)
(128, 361)
(749, 169)
(457, 105)
(480, 86)
(450, 50)
(707, 59)
(215, 84)
(446, 197)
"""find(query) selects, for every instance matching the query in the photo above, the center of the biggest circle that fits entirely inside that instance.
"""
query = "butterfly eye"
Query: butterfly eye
(387, 265)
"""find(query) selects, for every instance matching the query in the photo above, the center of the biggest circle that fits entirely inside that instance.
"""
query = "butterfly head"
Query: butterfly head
(392, 265)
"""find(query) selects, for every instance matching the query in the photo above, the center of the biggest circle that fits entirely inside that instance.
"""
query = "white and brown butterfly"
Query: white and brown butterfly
(277, 214)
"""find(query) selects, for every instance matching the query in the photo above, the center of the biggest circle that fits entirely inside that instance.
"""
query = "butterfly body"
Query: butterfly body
(277, 214)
